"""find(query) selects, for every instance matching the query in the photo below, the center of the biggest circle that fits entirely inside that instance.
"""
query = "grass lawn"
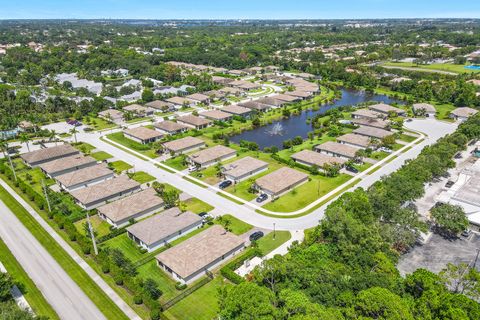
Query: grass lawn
(364, 166)
(443, 111)
(177, 163)
(99, 225)
(135, 120)
(101, 155)
(236, 226)
(119, 166)
(142, 177)
(450, 67)
(206, 297)
(130, 144)
(30, 291)
(87, 284)
(306, 193)
(267, 244)
(126, 245)
(196, 205)
(165, 283)
(99, 123)
(407, 138)
(84, 147)
(379, 155)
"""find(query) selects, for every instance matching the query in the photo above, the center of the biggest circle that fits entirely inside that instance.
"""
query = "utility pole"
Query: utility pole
(92, 235)
(46, 195)
(11, 165)
(274, 231)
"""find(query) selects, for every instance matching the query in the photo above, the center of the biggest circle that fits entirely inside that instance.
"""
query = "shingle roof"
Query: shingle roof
(49, 153)
(370, 122)
(365, 113)
(199, 251)
(285, 97)
(244, 166)
(254, 105)
(163, 225)
(198, 97)
(66, 163)
(355, 139)
(281, 179)
(130, 206)
(216, 115)
(143, 133)
(178, 100)
(372, 132)
(84, 175)
(104, 189)
(315, 158)
(298, 93)
(338, 148)
(170, 126)
(385, 108)
(159, 104)
(464, 112)
(183, 143)
(194, 120)
(425, 106)
(211, 154)
(234, 109)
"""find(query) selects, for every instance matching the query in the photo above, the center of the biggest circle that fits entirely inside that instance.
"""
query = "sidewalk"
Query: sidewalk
(17, 294)
(72, 253)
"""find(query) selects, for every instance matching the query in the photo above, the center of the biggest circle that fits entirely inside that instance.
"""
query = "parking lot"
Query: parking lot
(438, 252)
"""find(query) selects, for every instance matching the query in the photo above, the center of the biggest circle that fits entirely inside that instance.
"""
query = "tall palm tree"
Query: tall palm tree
(74, 132)
(53, 135)
(24, 138)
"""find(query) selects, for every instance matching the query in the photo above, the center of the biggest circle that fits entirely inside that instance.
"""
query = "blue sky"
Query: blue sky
(241, 9)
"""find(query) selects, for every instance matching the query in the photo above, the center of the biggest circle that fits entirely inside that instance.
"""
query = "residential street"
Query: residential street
(59, 289)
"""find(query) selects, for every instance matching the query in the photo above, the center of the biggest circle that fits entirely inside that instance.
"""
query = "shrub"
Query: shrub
(105, 268)
(180, 286)
(118, 280)
(155, 314)
(138, 299)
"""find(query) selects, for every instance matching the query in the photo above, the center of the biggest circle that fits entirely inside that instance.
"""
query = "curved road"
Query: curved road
(434, 130)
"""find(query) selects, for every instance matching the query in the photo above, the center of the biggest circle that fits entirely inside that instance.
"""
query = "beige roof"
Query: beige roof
(198, 97)
(298, 93)
(365, 113)
(271, 101)
(315, 158)
(230, 90)
(143, 133)
(170, 126)
(66, 163)
(356, 139)
(464, 112)
(112, 112)
(178, 101)
(254, 105)
(222, 80)
(183, 143)
(338, 148)
(84, 175)
(427, 107)
(105, 189)
(135, 108)
(199, 251)
(212, 154)
(474, 81)
(216, 115)
(194, 120)
(244, 166)
(26, 124)
(280, 179)
(49, 153)
(163, 225)
(285, 97)
(370, 122)
(385, 108)
(159, 104)
(234, 109)
(130, 206)
(372, 132)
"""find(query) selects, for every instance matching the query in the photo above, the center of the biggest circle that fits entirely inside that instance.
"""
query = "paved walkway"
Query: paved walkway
(17, 294)
(86, 308)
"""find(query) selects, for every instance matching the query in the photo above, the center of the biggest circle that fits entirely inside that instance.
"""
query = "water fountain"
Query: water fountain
(277, 129)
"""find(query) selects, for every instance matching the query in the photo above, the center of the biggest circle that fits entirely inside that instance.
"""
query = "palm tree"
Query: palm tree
(74, 132)
(24, 138)
(4, 148)
(53, 135)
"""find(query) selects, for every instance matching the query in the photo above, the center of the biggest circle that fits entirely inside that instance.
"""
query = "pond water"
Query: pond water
(274, 134)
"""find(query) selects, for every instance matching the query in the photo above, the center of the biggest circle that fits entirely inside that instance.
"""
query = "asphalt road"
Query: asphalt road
(434, 129)
(63, 294)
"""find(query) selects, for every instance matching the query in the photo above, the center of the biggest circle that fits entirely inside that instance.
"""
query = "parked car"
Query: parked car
(204, 215)
(256, 235)
(192, 169)
(262, 197)
(351, 169)
(225, 184)
(466, 233)
(449, 184)
(387, 150)
(458, 156)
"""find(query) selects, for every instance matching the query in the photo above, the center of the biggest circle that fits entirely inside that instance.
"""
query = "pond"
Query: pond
(274, 134)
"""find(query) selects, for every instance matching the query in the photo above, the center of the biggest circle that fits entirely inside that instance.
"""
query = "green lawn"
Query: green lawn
(135, 120)
(84, 147)
(144, 149)
(306, 193)
(235, 225)
(176, 163)
(450, 67)
(30, 291)
(407, 138)
(101, 156)
(99, 123)
(200, 305)
(379, 155)
(165, 283)
(443, 111)
(119, 166)
(87, 284)
(126, 245)
(99, 225)
(142, 177)
(267, 244)
(196, 205)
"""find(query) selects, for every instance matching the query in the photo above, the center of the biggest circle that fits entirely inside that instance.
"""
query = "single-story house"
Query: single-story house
(254, 105)
(369, 122)
(68, 164)
(194, 121)
(312, 158)
(336, 149)
(237, 110)
(305, 75)
(183, 145)
(160, 105)
(216, 115)
(138, 110)
(269, 101)
(215, 94)
(286, 97)
(463, 113)
(238, 73)
(280, 181)
(366, 114)
(142, 135)
(245, 85)
(355, 140)
(221, 80)
(197, 98)
(208, 157)
(376, 133)
(112, 115)
(243, 168)
(84, 177)
(179, 102)
(200, 254)
(170, 127)
(137, 206)
(99, 194)
(425, 109)
(163, 228)
(386, 109)
(310, 88)
(38, 157)
(299, 94)
(230, 91)
(26, 125)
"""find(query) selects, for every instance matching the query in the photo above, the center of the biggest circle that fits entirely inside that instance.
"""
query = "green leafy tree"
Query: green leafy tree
(451, 219)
